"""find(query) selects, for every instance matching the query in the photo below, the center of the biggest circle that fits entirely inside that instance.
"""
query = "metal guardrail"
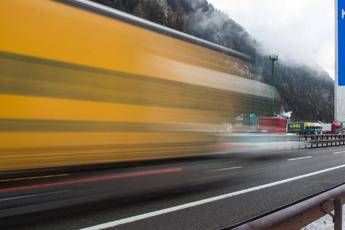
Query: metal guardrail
(320, 141)
(303, 213)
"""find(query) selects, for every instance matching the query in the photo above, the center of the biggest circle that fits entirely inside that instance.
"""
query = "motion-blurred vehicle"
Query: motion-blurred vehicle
(85, 84)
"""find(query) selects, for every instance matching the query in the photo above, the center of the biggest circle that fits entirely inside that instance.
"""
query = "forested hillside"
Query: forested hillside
(306, 91)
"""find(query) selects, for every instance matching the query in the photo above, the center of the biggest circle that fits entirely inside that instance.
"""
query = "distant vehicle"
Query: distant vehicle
(273, 124)
(326, 128)
(305, 128)
(337, 127)
(331, 128)
(296, 127)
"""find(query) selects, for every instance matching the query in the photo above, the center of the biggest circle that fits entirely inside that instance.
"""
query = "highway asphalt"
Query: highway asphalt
(214, 192)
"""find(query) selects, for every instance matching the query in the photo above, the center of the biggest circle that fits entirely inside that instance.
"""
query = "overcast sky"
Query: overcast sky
(300, 30)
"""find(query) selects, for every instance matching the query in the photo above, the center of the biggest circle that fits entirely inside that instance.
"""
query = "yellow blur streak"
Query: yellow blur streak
(25, 107)
(21, 140)
(44, 150)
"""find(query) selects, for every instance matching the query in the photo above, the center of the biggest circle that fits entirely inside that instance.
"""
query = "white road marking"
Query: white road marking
(299, 158)
(32, 195)
(204, 201)
(340, 152)
(226, 169)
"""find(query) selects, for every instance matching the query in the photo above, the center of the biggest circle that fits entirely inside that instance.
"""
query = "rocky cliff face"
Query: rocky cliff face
(306, 91)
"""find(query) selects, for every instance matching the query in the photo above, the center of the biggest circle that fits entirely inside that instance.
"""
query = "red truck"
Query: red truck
(336, 127)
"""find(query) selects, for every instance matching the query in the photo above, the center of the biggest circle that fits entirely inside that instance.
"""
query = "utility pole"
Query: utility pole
(273, 59)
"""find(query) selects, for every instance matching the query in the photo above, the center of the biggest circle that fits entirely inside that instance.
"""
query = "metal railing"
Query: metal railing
(320, 141)
(303, 213)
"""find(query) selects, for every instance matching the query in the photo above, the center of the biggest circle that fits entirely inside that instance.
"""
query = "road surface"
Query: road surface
(198, 193)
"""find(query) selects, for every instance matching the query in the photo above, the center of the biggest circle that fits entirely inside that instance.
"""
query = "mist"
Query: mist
(300, 31)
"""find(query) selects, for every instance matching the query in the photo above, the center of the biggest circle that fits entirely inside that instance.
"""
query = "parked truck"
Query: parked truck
(304, 128)
(337, 127)
(331, 128)
(326, 128)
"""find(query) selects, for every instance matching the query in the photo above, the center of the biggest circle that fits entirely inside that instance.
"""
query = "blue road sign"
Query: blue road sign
(341, 42)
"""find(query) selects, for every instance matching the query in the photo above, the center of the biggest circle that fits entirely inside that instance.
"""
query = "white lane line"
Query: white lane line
(340, 152)
(299, 158)
(226, 169)
(32, 195)
(204, 201)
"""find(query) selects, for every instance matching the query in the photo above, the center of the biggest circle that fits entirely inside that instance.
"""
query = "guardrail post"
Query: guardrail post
(338, 214)
(332, 140)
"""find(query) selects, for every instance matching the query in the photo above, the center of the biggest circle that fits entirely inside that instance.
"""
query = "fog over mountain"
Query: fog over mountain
(311, 20)
(306, 90)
